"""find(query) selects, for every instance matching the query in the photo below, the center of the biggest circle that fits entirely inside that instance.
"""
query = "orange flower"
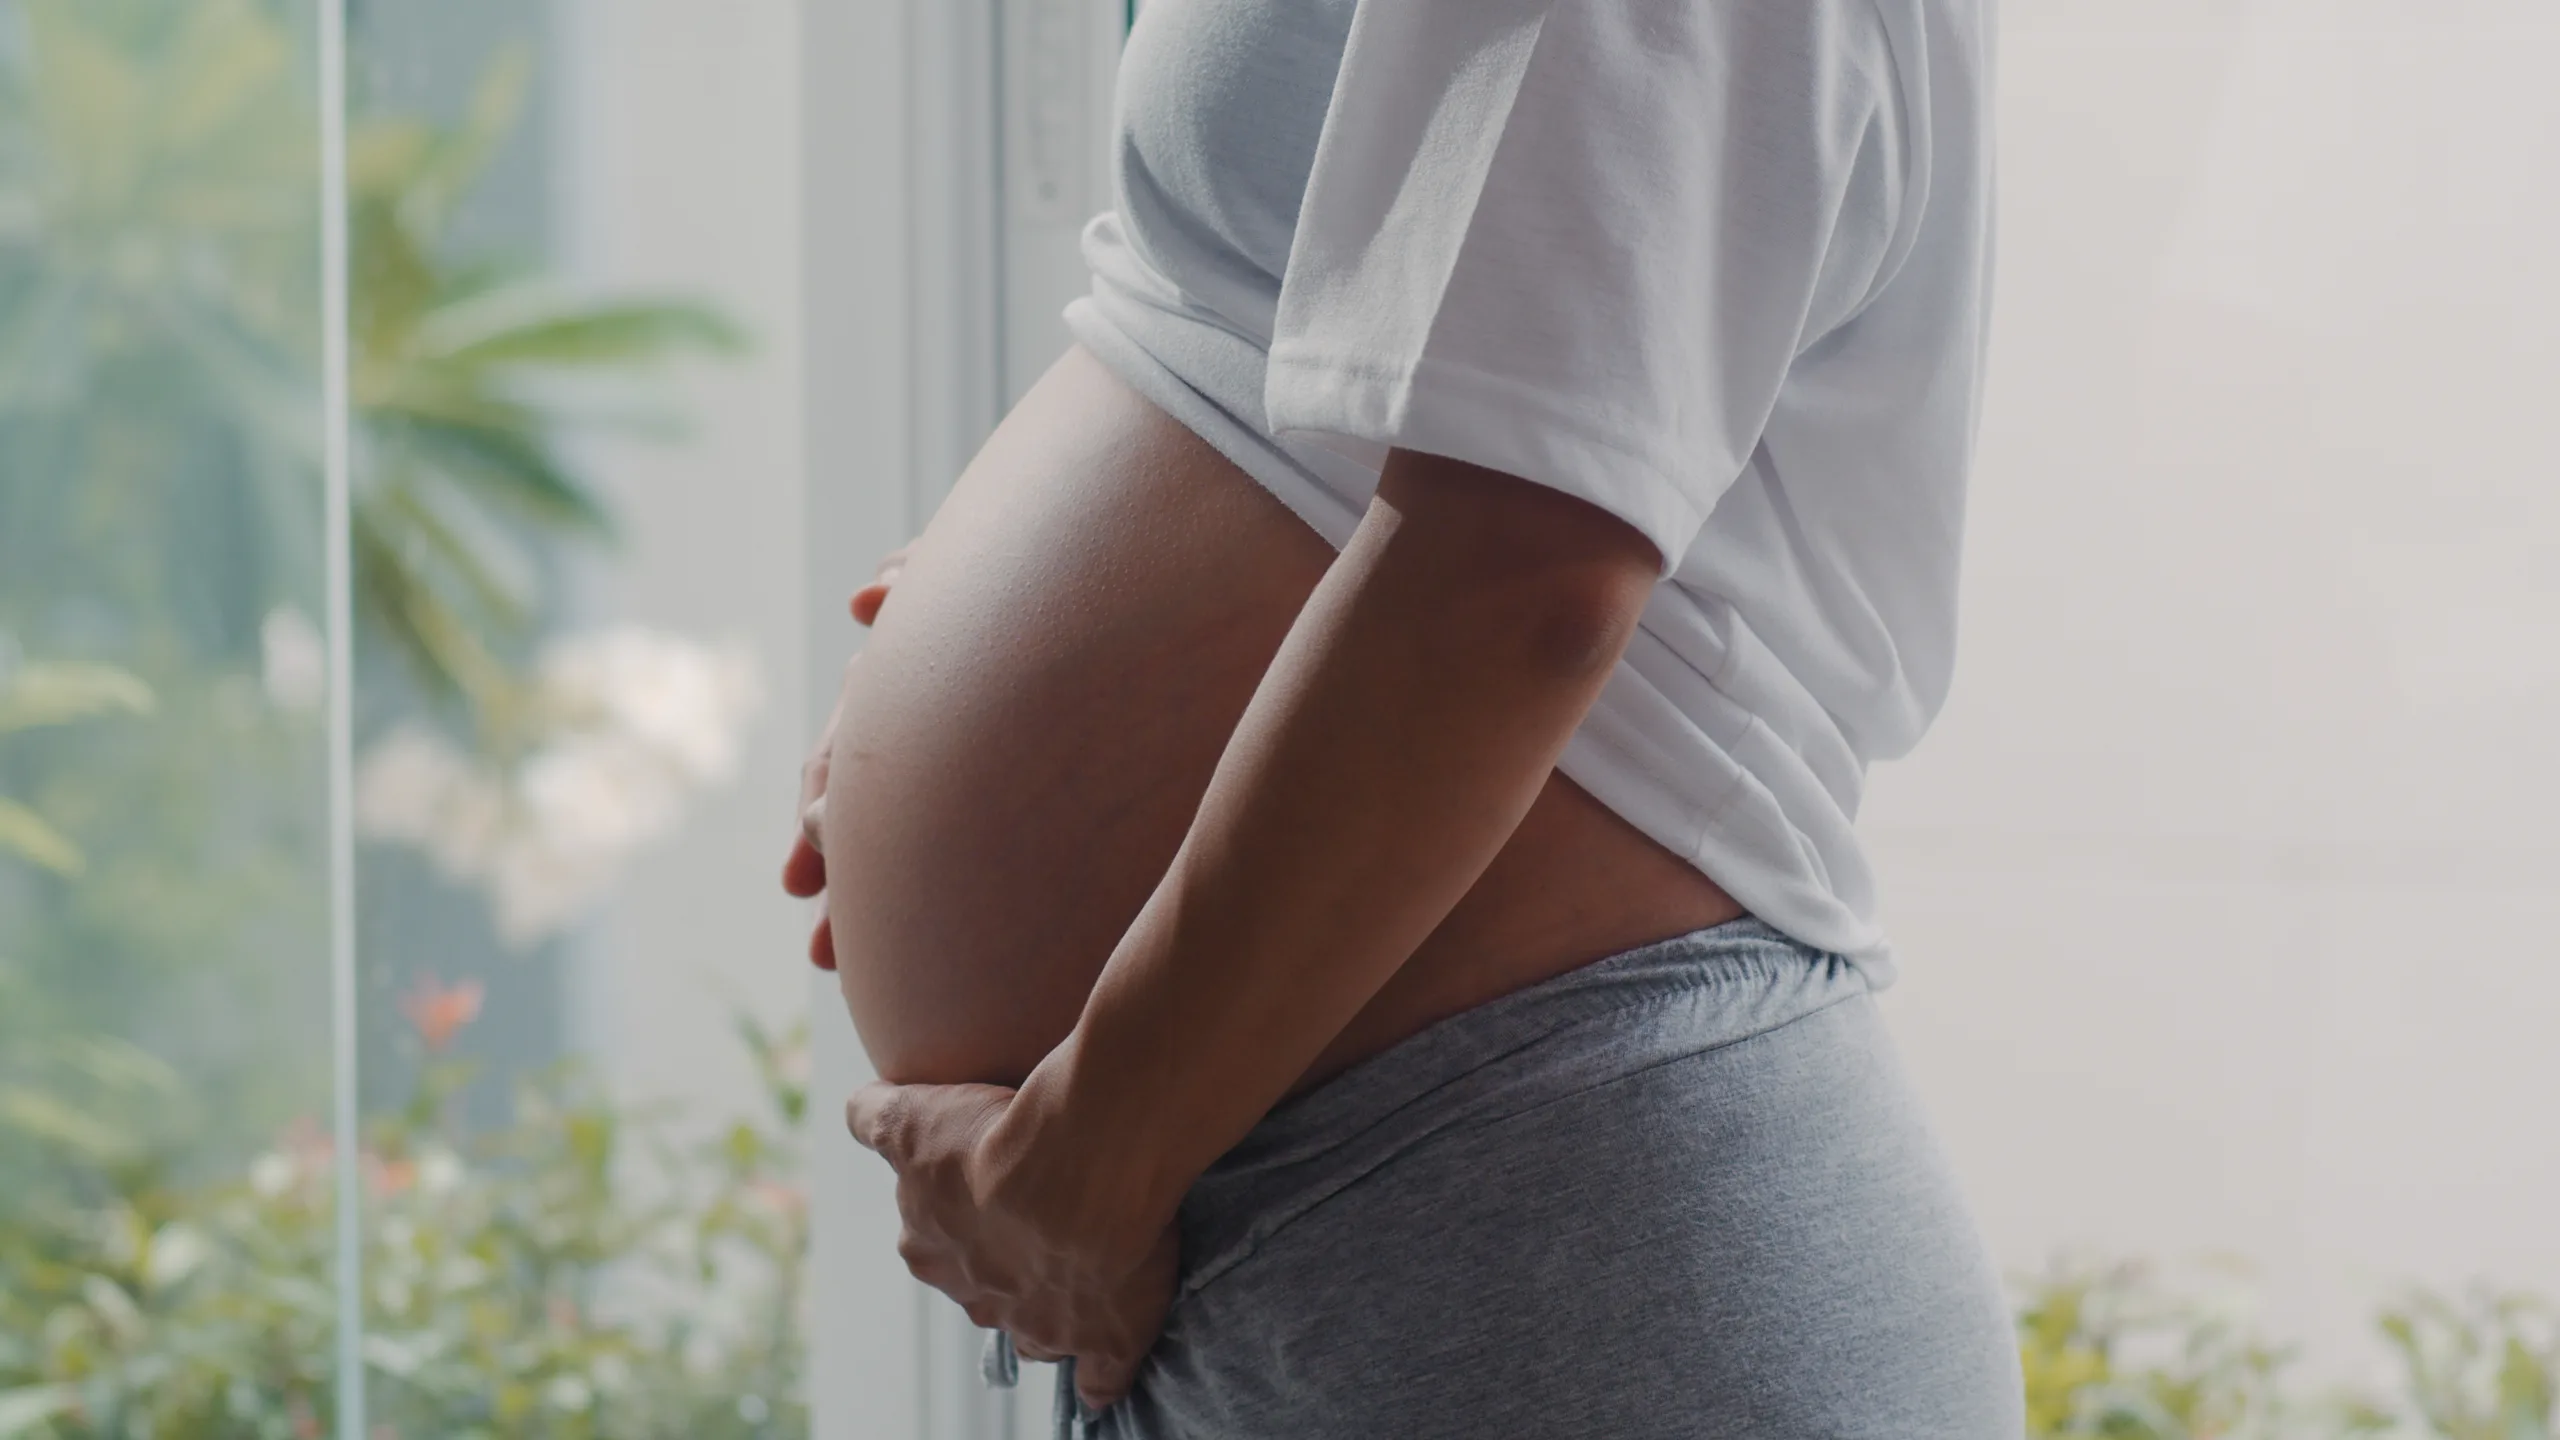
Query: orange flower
(439, 1011)
(785, 1200)
(387, 1178)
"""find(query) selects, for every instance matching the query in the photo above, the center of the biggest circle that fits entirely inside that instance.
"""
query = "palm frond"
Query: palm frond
(454, 164)
(539, 325)
(28, 836)
(410, 521)
(508, 470)
(442, 650)
(56, 693)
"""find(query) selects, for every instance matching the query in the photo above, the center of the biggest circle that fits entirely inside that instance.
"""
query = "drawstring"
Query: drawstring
(1070, 1420)
(999, 1364)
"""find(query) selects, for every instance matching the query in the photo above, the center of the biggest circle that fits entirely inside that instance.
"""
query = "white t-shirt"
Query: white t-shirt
(1720, 267)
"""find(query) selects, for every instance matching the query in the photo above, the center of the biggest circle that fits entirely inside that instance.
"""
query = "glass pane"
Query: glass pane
(2226, 882)
(166, 1174)
(577, 510)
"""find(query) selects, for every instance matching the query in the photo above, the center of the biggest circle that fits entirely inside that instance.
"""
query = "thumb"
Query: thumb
(1103, 1380)
(881, 1120)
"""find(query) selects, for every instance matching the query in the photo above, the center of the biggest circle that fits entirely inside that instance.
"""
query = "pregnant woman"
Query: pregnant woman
(1339, 843)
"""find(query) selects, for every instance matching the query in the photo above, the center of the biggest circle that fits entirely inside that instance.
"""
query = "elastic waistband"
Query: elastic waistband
(1634, 1010)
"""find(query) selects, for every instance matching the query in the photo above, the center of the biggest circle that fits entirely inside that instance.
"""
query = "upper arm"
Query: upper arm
(1576, 575)
(1583, 244)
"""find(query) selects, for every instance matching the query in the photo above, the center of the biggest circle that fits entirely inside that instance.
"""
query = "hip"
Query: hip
(1683, 1191)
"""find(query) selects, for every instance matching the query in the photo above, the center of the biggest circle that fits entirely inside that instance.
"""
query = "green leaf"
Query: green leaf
(465, 151)
(45, 1116)
(509, 470)
(25, 834)
(55, 694)
(536, 325)
(24, 1409)
(408, 520)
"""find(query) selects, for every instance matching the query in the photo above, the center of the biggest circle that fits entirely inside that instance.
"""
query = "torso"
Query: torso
(1033, 722)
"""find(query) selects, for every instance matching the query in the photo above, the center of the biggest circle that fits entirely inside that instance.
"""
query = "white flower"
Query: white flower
(637, 722)
(611, 1371)
(177, 1248)
(684, 701)
(568, 1392)
(270, 1175)
(600, 792)
(294, 659)
(404, 783)
(470, 826)
(439, 1171)
(537, 888)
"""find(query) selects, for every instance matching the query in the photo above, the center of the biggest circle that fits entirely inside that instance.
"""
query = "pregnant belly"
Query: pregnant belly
(1035, 718)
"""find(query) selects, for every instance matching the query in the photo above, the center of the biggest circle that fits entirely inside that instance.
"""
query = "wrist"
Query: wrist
(1092, 1168)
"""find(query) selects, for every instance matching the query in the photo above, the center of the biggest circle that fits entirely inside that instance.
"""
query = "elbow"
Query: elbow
(1581, 624)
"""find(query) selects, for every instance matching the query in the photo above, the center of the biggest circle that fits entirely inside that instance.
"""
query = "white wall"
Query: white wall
(748, 152)
(2227, 887)
(680, 126)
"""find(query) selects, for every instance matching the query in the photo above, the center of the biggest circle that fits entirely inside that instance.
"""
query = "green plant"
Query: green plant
(159, 342)
(38, 695)
(2114, 1351)
(160, 502)
(2483, 1366)
(521, 1282)
(463, 484)
(2107, 1353)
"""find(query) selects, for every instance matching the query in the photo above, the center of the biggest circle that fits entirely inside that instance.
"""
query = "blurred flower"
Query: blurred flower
(178, 1250)
(788, 1202)
(611, 1371)
(440, 1171)
(568, 1392)
(633, 723)
(438, 1011)
(271, 1174)
(684, 703)
(387, 1178)
(415, 786)
(295, 660)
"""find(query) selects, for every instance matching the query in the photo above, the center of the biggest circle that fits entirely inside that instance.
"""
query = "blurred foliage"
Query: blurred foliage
(578, 1272)
(38, 695)
(462, 486)
(2114, 1352)
(160, 500)
(2485, 1366)
(160, 418)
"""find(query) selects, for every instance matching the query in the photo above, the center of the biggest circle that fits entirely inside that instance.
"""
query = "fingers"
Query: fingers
(822, 944)
(1102, 1380)
(876, 1115)
(868, 600)
(813, 822)
(804, 870)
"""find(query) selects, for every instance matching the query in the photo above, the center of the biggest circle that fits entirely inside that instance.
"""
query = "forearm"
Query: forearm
(1403, 730)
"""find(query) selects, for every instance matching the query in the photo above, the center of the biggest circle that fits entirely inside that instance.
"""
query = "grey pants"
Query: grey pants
(1684, 1191)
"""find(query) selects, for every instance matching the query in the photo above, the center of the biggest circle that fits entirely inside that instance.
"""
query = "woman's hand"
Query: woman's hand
(989, 1216)
(804, 870)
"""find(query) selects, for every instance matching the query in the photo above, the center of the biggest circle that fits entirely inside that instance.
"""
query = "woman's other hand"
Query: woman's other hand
(804, 870)
(990, 1215)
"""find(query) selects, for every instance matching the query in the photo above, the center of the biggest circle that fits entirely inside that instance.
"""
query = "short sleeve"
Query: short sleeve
(1584, 241)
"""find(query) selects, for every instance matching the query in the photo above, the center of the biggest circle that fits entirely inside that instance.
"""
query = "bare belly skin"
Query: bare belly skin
(1038, 711)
